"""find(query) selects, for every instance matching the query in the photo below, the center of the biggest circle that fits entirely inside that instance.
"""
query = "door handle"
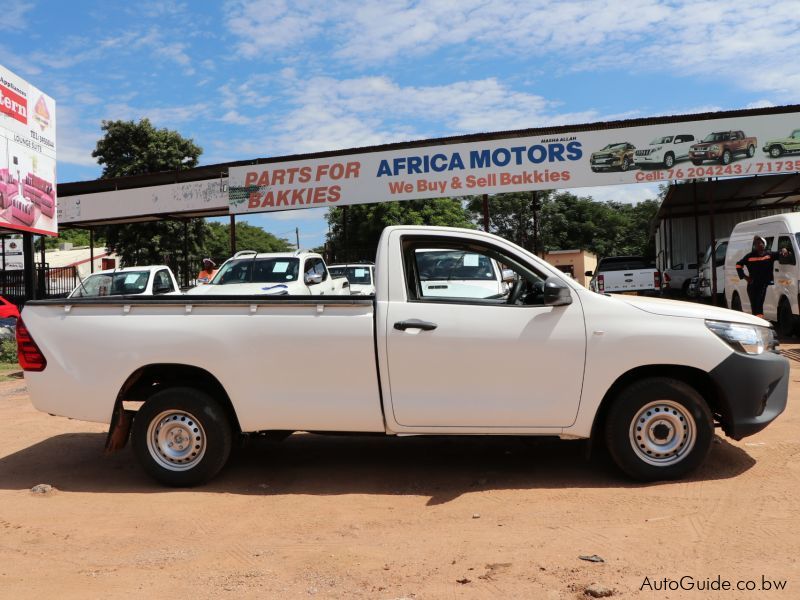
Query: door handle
(415, 324)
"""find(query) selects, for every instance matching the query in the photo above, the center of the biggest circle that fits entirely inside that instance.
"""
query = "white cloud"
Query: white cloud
(75, 137)
(12, 16)
(627, 194)
(164, 116)
(752, 43)
(17, 63)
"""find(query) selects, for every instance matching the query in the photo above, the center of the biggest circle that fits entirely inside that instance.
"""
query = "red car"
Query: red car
(8, 310)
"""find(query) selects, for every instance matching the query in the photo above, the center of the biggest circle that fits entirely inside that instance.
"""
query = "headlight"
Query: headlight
(714, 148)
(747, 339)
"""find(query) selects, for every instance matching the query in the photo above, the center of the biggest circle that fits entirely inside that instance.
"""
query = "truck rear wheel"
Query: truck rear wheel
(659, 428)
(725, 159)
(751, 151)
(181, 436)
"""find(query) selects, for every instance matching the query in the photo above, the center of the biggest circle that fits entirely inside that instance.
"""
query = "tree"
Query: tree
(356, 237)
(512, 216)
(248, 237)
(129, 148)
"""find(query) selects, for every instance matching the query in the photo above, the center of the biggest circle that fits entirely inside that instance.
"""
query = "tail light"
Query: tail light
(28, 354)
(601, 284)
(657, 279)
(667, 279)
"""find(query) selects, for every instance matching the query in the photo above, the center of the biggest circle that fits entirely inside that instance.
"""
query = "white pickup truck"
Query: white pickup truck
(151, 280)
(647, 377)
(625, 275)
(273, 274)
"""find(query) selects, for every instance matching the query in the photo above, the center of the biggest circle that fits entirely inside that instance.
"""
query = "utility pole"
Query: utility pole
(486, 212)
(297, 236)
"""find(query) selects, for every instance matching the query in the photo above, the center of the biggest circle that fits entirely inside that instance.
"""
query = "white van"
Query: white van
(781, 302)
(706, 282)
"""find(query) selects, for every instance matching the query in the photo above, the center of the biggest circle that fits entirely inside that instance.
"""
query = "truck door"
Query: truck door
(479, 360)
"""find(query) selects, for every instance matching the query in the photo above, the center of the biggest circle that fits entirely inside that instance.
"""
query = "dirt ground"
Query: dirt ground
(336, 517)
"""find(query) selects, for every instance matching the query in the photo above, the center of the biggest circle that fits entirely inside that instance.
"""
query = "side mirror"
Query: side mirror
(556, 292)
(786, 260)
(509, 275)
(589, 273)
(313, 278)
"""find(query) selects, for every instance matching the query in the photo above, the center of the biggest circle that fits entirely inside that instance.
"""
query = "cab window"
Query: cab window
(457, 272)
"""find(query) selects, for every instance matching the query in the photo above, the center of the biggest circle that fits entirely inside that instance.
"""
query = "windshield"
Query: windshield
(717, 137)
(613, 146)
(623, 263)
(257, 270)
(662, 140)
(122, 283)
(355, 275)
(447, 265)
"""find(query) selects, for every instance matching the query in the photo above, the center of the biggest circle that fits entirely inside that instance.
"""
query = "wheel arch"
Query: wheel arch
(149, 379)
(698, 379)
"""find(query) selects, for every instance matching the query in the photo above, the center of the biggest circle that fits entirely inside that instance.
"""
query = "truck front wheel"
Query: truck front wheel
(725, 159)
(775, 151)
(181, 436)
(659, 428)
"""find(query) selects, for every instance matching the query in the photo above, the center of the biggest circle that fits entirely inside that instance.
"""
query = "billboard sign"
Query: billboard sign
(27, 157)
(666, 150)
(14, 258)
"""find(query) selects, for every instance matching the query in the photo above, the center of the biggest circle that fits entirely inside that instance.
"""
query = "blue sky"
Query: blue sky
(258, 78)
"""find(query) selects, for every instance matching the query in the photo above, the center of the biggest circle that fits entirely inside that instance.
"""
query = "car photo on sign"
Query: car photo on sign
(664, 151)
(618, 156)
(776, 148)
(722, 147)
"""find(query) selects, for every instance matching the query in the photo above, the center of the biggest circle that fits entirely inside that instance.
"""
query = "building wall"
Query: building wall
(580, 261)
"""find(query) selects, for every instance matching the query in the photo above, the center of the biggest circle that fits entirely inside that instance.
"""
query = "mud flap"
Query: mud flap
(119, 429)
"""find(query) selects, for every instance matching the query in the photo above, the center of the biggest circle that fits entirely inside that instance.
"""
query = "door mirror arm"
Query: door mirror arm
(556, 292)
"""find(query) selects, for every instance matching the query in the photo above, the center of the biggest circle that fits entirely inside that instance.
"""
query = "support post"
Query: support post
(486, 212)
(696, 227)
(710, 196)
(91, 250)
(297, 236)
(535, 207)
(3, 241)
(30, 266)
(671, 257)
(233, 234)
(186, 253)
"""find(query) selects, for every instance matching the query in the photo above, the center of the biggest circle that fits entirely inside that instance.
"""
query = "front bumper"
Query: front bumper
(753, 391)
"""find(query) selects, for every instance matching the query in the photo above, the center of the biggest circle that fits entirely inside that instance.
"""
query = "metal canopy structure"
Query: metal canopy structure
(695, 214)
(756, 193)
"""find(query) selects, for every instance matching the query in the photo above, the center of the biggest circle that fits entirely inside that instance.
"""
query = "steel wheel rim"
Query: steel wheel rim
(774, 152)
(669, 161)
(176, 440)
(663, 433)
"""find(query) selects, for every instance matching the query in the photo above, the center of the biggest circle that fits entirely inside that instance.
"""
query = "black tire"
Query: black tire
(170, 417)
(751, 151)
(726, 157)
(595, 170)
(786, 320)
(775, 151)
(670, 411)
(626, 164)
(685, 287)
(736, 302)
(697, 163)
(669, 160)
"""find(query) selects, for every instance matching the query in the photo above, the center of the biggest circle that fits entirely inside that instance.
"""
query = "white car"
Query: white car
(625, 275)
(360, 275)
(151, 280)
(664, 151)
(460, 273)
(781, 302)
(184, 377)
(273, 274)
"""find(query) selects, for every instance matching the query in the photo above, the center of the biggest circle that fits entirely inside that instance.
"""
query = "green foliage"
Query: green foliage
(8, 351)
(217, 245)
(358, 238)
(511, 216)
(567, 221)
(129, 148)
(76, 237)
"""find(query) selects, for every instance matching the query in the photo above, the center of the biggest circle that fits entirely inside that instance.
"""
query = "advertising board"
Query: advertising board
(668, 150)
(27, 157)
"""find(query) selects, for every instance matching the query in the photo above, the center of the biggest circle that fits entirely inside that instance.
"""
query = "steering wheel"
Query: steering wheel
(516, 291)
